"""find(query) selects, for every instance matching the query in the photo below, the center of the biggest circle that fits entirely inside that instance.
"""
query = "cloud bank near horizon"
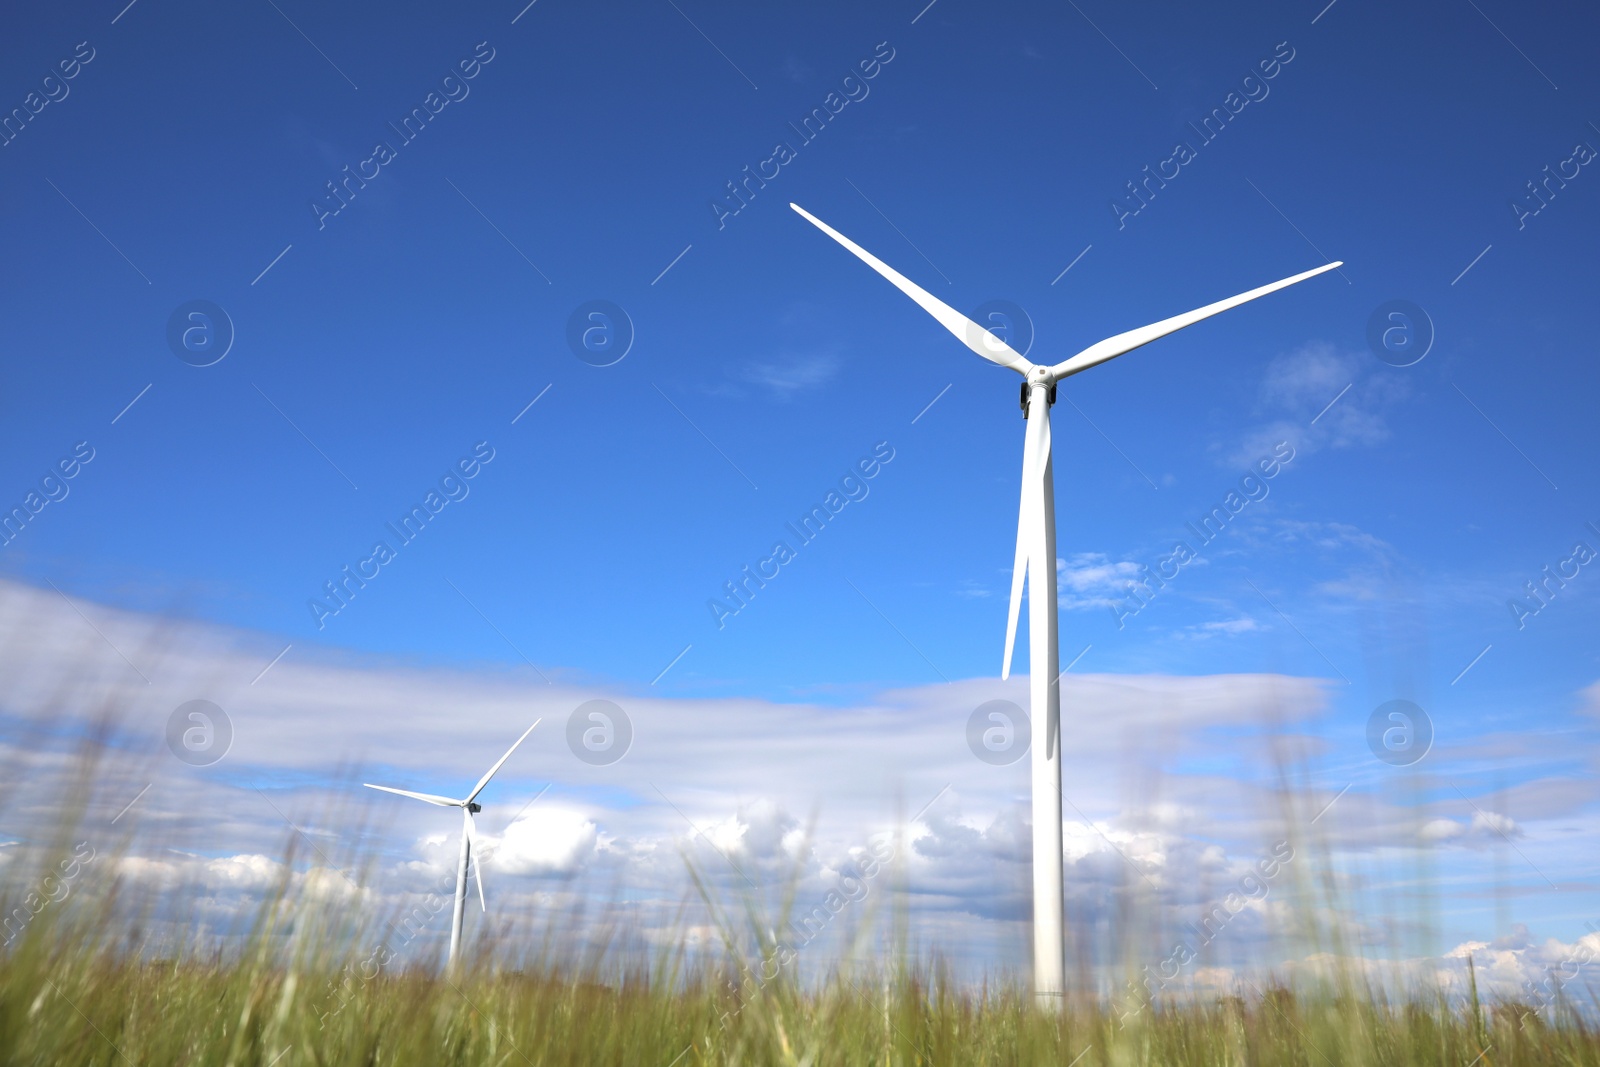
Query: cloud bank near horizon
(1175, 790)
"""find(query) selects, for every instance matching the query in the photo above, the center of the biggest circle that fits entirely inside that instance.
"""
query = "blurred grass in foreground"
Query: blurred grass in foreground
(299, 982)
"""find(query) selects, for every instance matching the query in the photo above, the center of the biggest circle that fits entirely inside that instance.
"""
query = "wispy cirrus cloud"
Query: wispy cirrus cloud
(1092, 580)
(786, 375)
(1320, 396)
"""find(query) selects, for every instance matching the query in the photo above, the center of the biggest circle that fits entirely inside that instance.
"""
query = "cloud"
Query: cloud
(1231, 627)
(796, 70)
(1368, 568)
(545, 840)
(1171, 792)
(1485, 827)
(1091, 580)
(244, 874)
(1320, 397)
(1441, 830)
(1590, 697)
(788, 375)
(249, 871)
(1519, 968)
(1310, 376)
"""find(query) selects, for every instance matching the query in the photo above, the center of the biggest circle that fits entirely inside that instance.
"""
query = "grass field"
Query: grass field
(70, 1003)
(297, 981)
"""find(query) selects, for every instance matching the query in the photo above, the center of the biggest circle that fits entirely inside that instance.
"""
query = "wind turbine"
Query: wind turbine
(469, 837)
(1036, 558)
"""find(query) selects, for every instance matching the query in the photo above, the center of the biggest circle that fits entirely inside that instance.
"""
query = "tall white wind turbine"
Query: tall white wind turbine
(1036, 559)
(469, 838)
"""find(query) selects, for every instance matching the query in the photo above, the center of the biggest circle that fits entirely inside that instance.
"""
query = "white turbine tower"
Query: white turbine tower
(469, 838)
(1035, 558)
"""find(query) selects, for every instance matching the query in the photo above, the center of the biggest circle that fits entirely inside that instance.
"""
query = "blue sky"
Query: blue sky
(376, 347)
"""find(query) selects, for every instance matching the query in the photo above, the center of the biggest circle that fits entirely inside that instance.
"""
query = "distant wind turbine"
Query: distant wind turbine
(469, 838)
(1035, 558)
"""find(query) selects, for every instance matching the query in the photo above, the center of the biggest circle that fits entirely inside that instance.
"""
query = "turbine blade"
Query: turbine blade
(500, 763)
(1030, 518)
(1019, 565)
(1112, 347)
(431, 798)
(969, 333)
(477, 856)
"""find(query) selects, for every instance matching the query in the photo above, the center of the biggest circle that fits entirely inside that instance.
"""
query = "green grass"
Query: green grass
(69, 1004)
(296, 982)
